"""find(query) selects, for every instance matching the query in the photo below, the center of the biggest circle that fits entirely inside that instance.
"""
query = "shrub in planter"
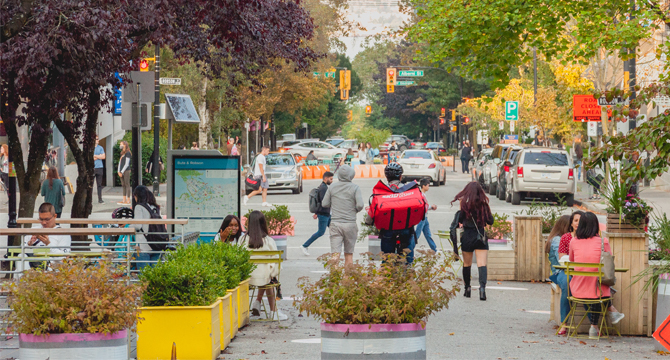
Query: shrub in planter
(278, 219)
(550, 213)
(501, 228)
(74, 309)
(374, 243)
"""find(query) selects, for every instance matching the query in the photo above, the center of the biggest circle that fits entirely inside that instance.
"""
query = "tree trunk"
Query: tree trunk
(203, 133)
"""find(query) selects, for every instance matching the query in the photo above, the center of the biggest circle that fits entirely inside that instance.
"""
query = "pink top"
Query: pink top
(564, 245)
(587, 251)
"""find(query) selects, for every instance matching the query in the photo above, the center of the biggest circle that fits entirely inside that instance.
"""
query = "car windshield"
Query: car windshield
(279, 159)
(416, 155)
(433, 144)
(546, 158)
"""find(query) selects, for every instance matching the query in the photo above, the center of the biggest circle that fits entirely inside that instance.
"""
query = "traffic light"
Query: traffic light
(452, 128)
(443, 113)
(391, 77)
(347, 80)
(350, 116)
(453, 115)
(144, 65)
(441, 121)
(466, 120)
(368, 109)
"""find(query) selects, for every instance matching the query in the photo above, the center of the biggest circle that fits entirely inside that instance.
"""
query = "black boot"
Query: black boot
(466, 279)
(483, 274)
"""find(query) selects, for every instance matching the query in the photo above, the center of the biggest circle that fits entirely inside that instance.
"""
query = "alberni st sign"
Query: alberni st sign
(402, 73)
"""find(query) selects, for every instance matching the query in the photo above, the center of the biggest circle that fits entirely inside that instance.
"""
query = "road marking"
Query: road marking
(307, 341)
(501, 288)
(320, 271)
(290, 299)
(544, 312)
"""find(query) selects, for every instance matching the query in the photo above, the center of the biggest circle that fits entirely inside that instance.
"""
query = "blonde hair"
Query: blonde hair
(6, 148)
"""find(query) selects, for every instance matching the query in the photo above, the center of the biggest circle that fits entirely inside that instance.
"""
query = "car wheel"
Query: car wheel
(516, 198)
(501, 193)
(301, 186)
(570, 200)
(437, 182)
(296, 190)
(508, 197)
(444, 178)
(492, 189)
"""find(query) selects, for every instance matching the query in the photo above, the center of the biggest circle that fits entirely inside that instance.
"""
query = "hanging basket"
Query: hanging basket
(617, 224)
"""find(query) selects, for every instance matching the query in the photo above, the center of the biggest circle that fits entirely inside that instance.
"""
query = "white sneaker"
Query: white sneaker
(279, 316)
(593, 332)
(246, 199)
(615, 317)
(266, 204)
(304, 250)
(256, 308)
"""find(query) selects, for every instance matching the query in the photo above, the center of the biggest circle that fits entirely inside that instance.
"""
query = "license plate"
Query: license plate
(546, 176)
(414, 166)
(272, 182)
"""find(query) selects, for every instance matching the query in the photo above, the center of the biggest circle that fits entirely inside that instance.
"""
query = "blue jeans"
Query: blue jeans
(143, 257)
(561, 280)
(424, 227)
(578, 169)
(324, 222)
(393, 242)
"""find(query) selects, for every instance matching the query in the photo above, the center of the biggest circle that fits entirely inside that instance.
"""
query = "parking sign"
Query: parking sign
(511, 110)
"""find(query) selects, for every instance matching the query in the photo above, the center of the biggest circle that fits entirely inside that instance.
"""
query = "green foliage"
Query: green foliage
(278, 219)
(659, 231)
(393, 293)
(374, 136)
(367, 230)
(550, 213)
(195, 275)
(147, 150)
(615, 191)
(73, 298)
(501, 228)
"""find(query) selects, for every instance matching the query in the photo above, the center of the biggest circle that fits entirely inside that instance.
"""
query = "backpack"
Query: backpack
(397, 209)
(157, 232)
(314, 203)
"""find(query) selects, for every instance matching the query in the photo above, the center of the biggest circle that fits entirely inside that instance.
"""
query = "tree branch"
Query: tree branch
(16, 24)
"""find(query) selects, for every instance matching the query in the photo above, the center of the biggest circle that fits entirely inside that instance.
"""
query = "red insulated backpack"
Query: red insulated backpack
(397, 209)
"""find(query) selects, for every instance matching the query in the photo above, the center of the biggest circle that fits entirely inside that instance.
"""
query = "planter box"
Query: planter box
(529, 253)
(194, 329)
(500, 262)
(376, 341)
(225, 320)
(282, 243)
(375, 246)
(243, 316)
(234, 312)
(74, 346)
(616, 224)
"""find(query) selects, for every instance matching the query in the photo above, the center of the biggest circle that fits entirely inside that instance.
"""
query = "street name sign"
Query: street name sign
(415, 73)
(602, 101)
(170, 81)
(512, 110)
(404, 83)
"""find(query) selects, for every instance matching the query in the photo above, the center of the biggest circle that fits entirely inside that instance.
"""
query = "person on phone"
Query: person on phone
(58, 244)
(230, 230)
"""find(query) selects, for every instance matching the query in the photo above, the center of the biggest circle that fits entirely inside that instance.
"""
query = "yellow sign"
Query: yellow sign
(390, 88)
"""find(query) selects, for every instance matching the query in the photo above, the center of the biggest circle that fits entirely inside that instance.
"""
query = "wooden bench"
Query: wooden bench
(79, 221)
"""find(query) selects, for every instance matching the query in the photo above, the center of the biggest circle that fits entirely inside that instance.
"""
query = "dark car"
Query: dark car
(436, 146)
(402, 141)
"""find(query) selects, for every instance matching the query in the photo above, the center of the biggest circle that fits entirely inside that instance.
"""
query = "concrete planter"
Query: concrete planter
(375, 341)
(243, 315)
(74, 346)
(282, 243)
(375, 246)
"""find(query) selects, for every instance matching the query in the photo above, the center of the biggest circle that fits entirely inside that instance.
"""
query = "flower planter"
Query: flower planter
(375, 341)
(74, 346)
(194, 329)
(617, 224)
(226, 319)
(375, 246)
(282, 243)
(234, 312)
(243, 316)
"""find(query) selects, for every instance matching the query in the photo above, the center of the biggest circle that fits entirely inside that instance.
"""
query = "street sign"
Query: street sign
(316, 74)
(404, 83)
(593, 128)
(118, 97)
(615, 101)
(511, 139)
(512, 110)
(585, 108)
(414, 73)
(511, 126)
(146, 80)
(169, 81)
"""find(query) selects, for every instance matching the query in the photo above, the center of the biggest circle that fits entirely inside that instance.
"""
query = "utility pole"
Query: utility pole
(630, 73)
(155, 168)
(11, 193)
(136, 166)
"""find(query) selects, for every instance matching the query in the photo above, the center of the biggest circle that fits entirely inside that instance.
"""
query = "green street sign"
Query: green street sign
(330, 74)
(512, 110)
(316, 74)
(404, 83)
(402, 73)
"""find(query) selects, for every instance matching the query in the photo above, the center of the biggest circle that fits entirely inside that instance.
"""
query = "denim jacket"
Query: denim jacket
(553, 252)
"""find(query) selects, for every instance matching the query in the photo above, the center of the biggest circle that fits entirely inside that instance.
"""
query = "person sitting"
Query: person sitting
(558, 277)
(586, 248)
(57, 244)
(311, 156)
(257, 238)
(230, 230)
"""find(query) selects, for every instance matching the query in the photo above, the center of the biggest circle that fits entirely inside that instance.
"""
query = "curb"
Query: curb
(588, 206)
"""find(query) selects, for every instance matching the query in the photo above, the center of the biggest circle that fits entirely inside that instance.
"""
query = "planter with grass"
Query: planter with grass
(73, 312)
(280, 225)
(626, 212)
(383, 313)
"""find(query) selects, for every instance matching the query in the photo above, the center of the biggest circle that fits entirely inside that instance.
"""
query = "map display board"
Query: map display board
(205, 189)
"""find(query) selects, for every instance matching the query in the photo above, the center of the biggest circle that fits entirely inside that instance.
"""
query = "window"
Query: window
(279, 159)
(416, 155)
(546, 158)
(306, 145)
(513, 155)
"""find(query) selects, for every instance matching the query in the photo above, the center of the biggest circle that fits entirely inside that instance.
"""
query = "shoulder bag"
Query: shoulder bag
(607, 260)
(480, 237)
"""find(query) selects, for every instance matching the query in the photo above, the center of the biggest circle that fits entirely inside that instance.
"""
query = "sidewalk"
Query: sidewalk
(658, 199)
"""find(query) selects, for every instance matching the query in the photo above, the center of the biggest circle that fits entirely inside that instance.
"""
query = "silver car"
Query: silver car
(322, 150)
(482, 158)
(282, 172)
(542, 173)
(491, 167)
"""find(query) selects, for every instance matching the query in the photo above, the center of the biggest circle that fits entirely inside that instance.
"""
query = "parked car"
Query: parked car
(503, 170)
(481, 159)
(321, 149)
(542, 173)
(421, 164)
(335, 140)
(491, 168)
(402, 141)
(282, 171)
(418, 144)
(435, 146)
(348, 144)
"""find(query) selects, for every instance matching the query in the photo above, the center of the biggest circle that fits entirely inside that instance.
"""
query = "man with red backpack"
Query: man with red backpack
(394, 210)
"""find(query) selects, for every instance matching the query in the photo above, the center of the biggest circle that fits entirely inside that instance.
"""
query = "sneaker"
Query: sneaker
(304, 250)
(615, 317)
(266, 204)
(278, 315)
(256, 308)
(593, 333)
(246, 199)
(100, 201)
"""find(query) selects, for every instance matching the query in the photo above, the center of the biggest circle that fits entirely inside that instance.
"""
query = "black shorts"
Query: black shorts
(469, 242)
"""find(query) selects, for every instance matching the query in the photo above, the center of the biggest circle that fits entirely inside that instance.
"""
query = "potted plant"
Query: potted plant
(280, 225)
(74, 311)
(626, 212)
(365, 308)
(374, 243)
(501, 230)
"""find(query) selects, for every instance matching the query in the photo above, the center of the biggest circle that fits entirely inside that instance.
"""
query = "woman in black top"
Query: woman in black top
(475, 214)
(466, 155)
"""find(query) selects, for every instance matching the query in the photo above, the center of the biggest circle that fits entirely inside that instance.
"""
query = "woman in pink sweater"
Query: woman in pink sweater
(586, 248)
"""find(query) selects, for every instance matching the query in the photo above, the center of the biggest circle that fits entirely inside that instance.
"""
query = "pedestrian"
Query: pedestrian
(259, 174)
(394, 146)
(311, 156)
(369, 153)
(4, 166)
(150, 165)
(194, 146)
(322, 214)
(144, 202)
(466, 155)
(594, 177)
(578, 156)
(124, 172)
(230, 230)
(344, 199)
(361, 153)
(235, 151)
(98, 168)
(423, 226)
(53, 191)
(558, 277)
(474, 216)
(230, 145)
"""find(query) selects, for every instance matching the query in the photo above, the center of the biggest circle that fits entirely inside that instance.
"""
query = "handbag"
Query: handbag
(607, 260)
(480, 238)
(252, 182)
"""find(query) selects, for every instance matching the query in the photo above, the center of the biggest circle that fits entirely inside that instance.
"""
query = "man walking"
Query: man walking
(344, 200)
(466, 155)
(259, 174)
(98, 156)
(322, 214)
(423, 226)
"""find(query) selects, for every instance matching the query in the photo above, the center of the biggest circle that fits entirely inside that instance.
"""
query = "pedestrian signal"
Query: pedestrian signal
(368, 109)
(443, 113)
(390, 88)
(441, 121)
(466, 120)
(144, 65)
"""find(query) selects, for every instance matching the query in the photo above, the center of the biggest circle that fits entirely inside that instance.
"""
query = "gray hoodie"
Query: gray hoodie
(344, 197)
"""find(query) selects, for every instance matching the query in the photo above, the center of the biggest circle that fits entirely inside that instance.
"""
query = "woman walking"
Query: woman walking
(475, 214)
(466, 155)
(124, 172)
(54, 191)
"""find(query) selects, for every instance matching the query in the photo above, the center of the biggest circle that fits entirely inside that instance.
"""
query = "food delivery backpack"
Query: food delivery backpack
(397, 208)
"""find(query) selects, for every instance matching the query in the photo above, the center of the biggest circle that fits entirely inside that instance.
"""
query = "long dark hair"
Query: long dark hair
(474, 202)
(145, 196)
(562, 226)
(572, 217)
(227, 221)
(588, 226)
(52, 174)
(257, 229)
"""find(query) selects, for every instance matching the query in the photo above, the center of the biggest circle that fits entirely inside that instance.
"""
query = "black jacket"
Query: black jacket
(322, 192)
(452, 231)
(473, 226)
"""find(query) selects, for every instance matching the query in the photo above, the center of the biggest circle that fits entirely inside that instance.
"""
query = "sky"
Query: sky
(376, 16)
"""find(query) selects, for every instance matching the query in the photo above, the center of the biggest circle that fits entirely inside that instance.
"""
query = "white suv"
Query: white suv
(542, 173)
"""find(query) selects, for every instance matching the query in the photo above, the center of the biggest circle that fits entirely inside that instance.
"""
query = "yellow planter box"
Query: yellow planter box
(243, 304)
(234, 313)
(225, 320)
(194, 329)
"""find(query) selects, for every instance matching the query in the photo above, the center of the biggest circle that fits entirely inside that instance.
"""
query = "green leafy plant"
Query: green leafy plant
(550, 213)
(365, 293)
(501, 228)
(615, 192)
(74, 298)
(366, 230)
(375, 137)
(659, 231)
(278, 219)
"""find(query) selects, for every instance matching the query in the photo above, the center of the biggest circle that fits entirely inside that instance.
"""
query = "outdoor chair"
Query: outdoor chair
(312, 162)
(570, 321)
(441, 234)
(275, 259)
